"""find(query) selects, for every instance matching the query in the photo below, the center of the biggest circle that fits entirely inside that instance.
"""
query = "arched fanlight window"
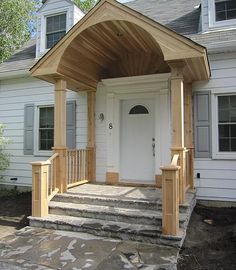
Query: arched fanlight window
(139, 109)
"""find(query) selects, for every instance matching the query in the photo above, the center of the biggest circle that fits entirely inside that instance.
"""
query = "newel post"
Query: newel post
(170, 200)
(60, 133)
(91, 142)
(40, 189)
(177, 122)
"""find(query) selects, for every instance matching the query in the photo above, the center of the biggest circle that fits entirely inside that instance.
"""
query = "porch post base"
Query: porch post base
(112, 178)
(158, 178)
(61, 172)
(182, 173)
(91, 161)
(170, 200)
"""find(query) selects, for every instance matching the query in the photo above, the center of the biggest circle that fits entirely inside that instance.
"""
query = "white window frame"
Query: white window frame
(212, 17)
(43, 19)
(38, 152)
(216, 154)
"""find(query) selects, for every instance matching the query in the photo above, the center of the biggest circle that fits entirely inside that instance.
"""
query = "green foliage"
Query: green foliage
(16, 23)
(4, 156)
(85, 5)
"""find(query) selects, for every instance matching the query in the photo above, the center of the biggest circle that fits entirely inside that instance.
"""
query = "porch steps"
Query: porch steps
(114, 216)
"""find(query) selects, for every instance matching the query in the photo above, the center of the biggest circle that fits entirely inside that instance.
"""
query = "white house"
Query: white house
(130, 68)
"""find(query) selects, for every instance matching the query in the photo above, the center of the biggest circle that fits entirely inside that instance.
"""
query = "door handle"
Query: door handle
(153, 149)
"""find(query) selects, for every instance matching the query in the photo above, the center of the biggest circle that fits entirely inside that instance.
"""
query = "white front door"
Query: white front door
(137, 156)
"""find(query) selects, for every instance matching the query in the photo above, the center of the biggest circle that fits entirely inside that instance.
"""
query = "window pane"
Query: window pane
(46, 139)
(233, 131)
(52, 39)
(56, 23)
(231, 5)
(220, 6)
(220, 16)
(231, 14)
(233, 101)
(223, 116)
(233, 144)
(223, 131)
(224, 145)
(233, 115)
(46, 117)
(223, 102)
(139, 109)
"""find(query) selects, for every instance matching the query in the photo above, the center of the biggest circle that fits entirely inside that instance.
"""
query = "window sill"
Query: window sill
(224, 155)
(43, 154)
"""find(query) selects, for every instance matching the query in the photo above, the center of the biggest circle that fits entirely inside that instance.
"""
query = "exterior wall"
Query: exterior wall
(217, 175)
(14, 94)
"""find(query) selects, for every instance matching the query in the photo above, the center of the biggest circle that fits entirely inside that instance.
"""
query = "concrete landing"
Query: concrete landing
(36, 248)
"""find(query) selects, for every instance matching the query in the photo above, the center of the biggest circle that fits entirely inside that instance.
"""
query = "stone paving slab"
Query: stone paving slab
(41, 249)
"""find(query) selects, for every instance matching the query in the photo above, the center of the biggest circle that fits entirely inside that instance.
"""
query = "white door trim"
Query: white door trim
(121, 89)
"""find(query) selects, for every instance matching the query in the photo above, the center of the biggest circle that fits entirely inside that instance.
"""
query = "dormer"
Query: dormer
(218, 14)
(54, 19)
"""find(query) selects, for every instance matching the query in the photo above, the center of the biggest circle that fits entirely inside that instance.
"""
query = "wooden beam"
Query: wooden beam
(177, 104)
(60, 114)
(91, 144)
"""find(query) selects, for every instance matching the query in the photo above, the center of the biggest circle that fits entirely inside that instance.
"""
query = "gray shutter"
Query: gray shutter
(29, 129)
(71, 124)
(202, 124)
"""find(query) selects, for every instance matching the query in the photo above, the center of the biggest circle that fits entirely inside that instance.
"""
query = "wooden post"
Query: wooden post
(40, 188)
(91, 144)
(177, 121)
(60, 133)
(188, 130)
(170, 200)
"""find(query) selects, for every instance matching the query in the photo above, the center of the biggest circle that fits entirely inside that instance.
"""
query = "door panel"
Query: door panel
(137, 140)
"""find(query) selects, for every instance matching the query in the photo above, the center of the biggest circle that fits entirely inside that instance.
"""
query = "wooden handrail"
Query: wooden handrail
(52, 157)
(175, 159)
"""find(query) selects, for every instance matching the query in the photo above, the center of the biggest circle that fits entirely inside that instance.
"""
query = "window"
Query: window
(225, 10)
(227, 123)
(55, 29)
(46, 128)
(139, 109)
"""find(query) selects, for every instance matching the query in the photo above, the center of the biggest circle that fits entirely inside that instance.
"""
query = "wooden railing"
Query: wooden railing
(77, 167)
(170, 197)
(74, 165)
(44, 184)
(52, 176)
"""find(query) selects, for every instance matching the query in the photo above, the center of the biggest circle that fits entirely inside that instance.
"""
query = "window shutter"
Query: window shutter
(71, 124)
(202, 124)
(29, 129)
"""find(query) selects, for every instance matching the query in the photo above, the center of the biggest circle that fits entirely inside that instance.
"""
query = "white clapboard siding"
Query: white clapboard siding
(217, 176)
(14, 94)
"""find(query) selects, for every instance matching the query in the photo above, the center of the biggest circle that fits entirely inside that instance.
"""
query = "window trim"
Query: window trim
(38, 152)
(216, 154)
(212, 17)
(43, 20)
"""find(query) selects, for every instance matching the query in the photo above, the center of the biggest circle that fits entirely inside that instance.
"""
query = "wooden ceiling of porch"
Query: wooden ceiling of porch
(111, 49)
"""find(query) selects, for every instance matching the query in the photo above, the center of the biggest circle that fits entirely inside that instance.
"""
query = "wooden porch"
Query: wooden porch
(80, 60)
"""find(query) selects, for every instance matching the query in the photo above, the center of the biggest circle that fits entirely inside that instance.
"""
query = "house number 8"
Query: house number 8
(110, 126)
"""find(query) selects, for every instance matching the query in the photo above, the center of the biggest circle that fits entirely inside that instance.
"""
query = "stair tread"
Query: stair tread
(134, 212)
(112, 226)
(106, 198)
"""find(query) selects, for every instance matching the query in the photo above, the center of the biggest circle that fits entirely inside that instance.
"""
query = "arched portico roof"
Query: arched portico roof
(113, 40)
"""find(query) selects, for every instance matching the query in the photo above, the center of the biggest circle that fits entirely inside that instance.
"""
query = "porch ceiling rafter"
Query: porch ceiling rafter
(113, 40)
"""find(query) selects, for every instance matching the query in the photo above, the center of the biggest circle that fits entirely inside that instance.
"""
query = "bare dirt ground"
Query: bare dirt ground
(211, 240)
(210, 243)
(14, 209)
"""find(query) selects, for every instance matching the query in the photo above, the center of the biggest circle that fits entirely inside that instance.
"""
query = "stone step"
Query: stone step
(122, 230)
(114, 202)
(110, 213)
